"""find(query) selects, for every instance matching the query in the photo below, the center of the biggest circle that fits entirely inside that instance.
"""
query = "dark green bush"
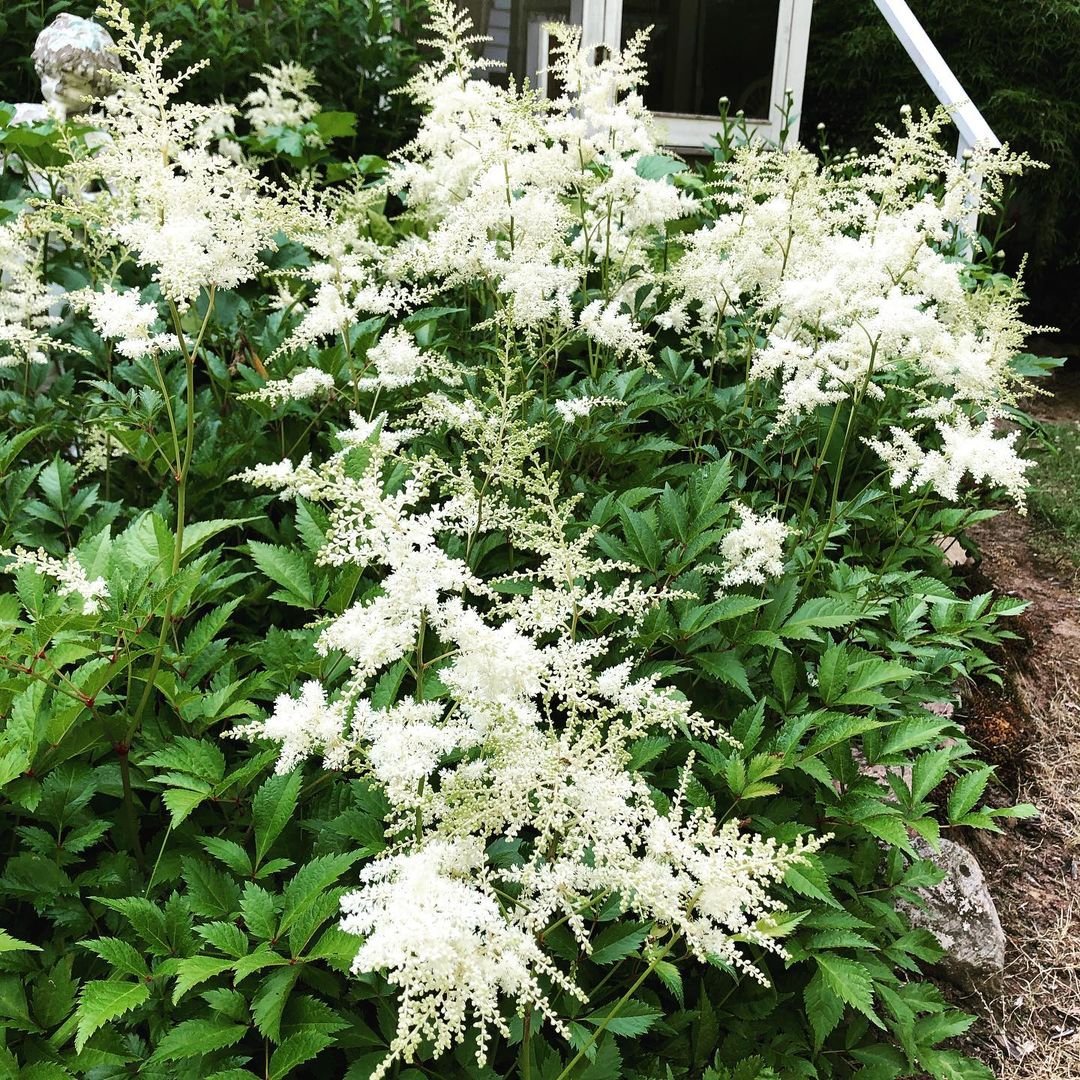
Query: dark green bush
(360, 50)
(1019, 64)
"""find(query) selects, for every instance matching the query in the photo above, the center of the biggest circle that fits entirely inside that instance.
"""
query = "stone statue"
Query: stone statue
(73, 57)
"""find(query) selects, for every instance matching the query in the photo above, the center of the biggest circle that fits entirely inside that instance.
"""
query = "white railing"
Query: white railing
(974, 130)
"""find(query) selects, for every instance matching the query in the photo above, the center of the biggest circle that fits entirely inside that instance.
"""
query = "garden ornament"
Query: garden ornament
(73, 57)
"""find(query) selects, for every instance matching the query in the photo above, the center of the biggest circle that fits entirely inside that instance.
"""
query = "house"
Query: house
(752, 52)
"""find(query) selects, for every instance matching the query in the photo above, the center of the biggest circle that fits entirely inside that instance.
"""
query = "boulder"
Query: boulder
(961, 914)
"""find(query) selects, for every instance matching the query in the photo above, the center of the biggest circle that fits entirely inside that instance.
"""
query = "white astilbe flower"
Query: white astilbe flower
(531, 195)
(282, 100)
(981, 453)
(303, 726)
(574, 409)
(122, 317)
(299, 386)
(399, 361)
(433, 924)
(849, 277)
(754, 551)
(25, 298)
(607, 325)
(529, 740)
(197, 220)
(68, 573)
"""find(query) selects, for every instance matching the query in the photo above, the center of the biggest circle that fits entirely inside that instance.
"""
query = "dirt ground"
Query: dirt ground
(1031, 1029)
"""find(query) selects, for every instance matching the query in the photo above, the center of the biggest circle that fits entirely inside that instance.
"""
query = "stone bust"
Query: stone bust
(73, 57)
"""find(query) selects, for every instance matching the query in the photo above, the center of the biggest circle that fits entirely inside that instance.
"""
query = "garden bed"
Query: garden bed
(1031, 1030)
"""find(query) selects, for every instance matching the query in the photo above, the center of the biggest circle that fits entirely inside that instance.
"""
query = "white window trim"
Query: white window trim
(602, 23)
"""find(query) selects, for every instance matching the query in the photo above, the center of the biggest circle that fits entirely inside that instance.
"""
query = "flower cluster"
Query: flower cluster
(979, 452)
(282, 100)
(528, 742)
(196, 219)
(754, 551)
(68, 573)
(299, 386)
(25, 300)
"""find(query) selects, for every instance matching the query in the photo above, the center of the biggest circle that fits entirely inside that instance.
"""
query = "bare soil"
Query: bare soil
(1031, 1030)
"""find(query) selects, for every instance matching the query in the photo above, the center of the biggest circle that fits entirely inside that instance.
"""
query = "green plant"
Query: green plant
(1053, 497)
(602, 577)
(243, 37)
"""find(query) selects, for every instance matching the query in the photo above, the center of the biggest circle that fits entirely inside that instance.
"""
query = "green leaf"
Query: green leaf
(967, 791)
(634, 1018)
(289, 569)
(832, 673)
(100, 1002)
(824, 1008)
(269, 1001)
(181, 802)
(272, 809)
(194, 1038)
(295, 1050)
(309, 883)
(210, 892)
(818, 613)
(850, 981)
(147, 920)
(228, 852)
(618, 940)
(727, 668)
(928, 771)
(224, 936)
(122, 956)
(194, 970)
(658, 166)
(257, 908)
(808, 878)
(14, 944)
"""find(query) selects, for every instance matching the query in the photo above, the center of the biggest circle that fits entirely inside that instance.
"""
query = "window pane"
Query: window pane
(516, 29)
(702, 50)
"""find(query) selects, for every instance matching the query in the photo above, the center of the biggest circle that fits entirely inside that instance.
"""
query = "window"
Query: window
(749, 51)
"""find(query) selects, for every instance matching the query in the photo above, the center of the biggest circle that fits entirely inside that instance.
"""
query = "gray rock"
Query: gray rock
(961, 914)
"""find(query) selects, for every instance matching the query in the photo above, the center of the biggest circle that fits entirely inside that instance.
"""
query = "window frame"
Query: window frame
(601, 23)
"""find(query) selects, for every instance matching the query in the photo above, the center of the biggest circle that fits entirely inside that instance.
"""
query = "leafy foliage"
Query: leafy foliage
(173, 903)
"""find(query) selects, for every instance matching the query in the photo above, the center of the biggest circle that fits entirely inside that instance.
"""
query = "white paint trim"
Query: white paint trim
(974, 130)
(602, 22)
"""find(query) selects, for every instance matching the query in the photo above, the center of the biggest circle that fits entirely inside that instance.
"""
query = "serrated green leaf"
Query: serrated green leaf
(194, 970)
(228, 852)
(295, 1050)
(269, 1001)
(194, 1038)
(272, 809)
(102, 1001)
(14, 944)
(967, 791)
(850, 981)
(618, 940)
(210, 892)
(287, 568)
(122, 956)
(824, 1008)
(257, 908)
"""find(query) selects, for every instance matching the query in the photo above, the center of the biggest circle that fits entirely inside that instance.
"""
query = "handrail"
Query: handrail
(974, 130)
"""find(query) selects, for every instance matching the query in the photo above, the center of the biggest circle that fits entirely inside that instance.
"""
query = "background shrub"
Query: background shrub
(1029, 92)
(361, 50)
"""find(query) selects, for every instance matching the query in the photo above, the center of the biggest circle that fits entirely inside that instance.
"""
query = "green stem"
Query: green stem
(619, 1005)
(525, 1056)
